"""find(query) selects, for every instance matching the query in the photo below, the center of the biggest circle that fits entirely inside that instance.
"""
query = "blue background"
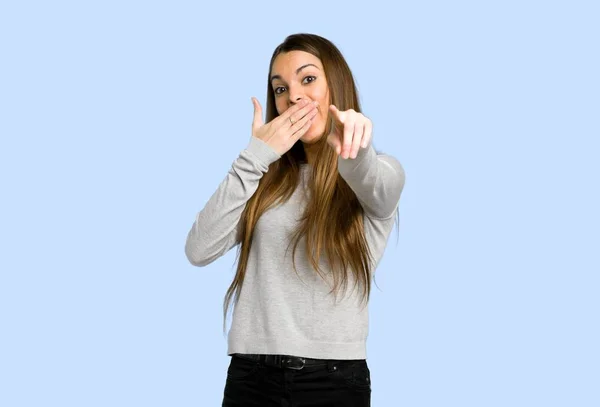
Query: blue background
(119, 119)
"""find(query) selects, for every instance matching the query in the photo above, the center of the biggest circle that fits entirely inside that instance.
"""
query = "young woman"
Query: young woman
(310, 205)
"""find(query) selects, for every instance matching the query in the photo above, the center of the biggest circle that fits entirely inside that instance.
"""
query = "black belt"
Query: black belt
(284, 361)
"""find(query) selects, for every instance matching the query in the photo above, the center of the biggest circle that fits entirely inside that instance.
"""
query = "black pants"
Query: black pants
(328, 383)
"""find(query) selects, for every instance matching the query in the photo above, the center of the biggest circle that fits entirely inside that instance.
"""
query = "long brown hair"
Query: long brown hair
(333, 219)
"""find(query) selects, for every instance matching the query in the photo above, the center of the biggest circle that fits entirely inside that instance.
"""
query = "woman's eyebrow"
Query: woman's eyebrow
(297, 71)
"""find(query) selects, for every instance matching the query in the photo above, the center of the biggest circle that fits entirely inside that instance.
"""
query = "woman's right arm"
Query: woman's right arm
(215, 228)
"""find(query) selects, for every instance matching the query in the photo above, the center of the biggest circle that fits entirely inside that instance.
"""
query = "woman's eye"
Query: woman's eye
(278, 90)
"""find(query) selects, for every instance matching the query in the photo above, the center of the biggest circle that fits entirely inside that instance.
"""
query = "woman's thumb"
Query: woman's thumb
(257, 121)
(334, 142)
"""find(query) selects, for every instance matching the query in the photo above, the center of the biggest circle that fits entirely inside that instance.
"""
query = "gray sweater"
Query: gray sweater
(279, 311)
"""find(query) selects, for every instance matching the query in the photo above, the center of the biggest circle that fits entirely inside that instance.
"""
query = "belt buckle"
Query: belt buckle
(293, 362)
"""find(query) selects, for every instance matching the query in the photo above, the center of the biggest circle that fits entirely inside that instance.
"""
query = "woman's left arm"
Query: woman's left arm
(376, 179)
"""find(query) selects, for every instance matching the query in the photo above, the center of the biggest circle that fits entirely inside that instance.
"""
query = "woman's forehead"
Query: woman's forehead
(289, 62)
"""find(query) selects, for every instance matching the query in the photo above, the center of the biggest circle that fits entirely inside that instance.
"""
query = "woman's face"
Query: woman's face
(298, 75)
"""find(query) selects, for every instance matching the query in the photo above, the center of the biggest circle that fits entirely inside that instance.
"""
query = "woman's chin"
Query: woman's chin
(312, 135)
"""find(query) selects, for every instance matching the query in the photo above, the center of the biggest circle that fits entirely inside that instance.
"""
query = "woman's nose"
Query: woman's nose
(296, 95)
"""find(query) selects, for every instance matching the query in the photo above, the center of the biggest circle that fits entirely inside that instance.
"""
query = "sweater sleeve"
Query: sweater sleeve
(376, 179)
(215, 229)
